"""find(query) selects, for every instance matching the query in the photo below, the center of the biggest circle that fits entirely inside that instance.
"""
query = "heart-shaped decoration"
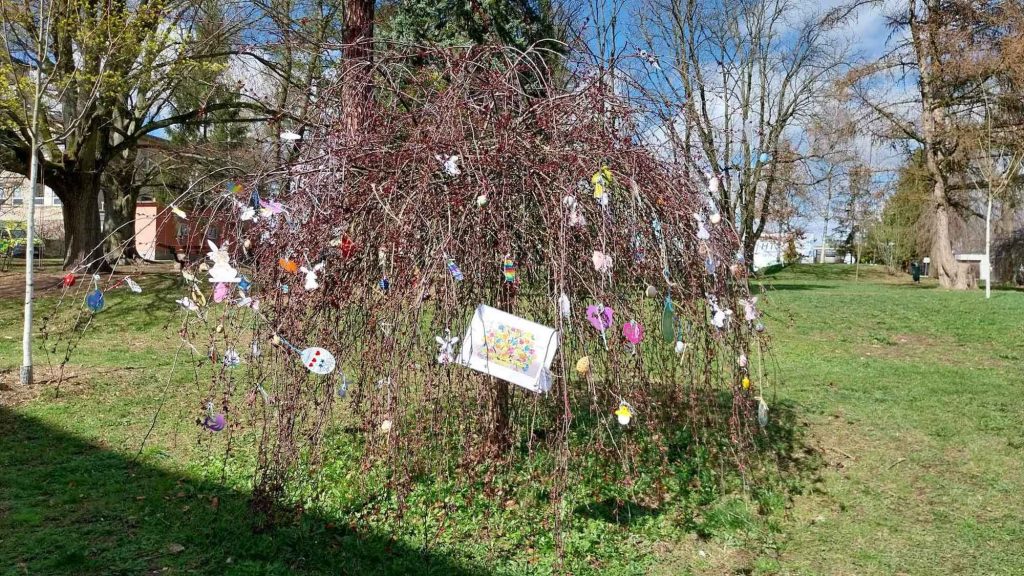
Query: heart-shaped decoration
(600, 316)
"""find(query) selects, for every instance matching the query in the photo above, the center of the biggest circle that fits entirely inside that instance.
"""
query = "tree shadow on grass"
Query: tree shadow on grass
(71, 507)
(786, 287)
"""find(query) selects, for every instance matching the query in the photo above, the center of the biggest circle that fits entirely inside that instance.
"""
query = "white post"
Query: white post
(30, 219)
(988, 247)
(30, 249)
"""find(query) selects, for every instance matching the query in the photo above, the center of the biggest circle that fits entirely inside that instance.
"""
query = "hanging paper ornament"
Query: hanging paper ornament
(289, 266)
(633, 332)
(446, 352)
(583, 365)
(759, 327)
(343, 387)
(481, 200)
(624, 414)
(132, 285)
(244, 284)
(742, 361)
(602, 180)
(575, 218)
(198, 296)
(753, 158)
(508, 268)
(233, 188)
(564, 306)
(213, 422)
(715, 218)
(668, 321)
(762, 412)
(187, 304)
(346, 246)
(709, 265)
(317, 360)
(680, 346)
(749, 309)
(270, 208)
(179, 212)
(68, 280)
(456, 273)
(600, 316)
(255, 350)
(745, 383)
(312, 282)
(651, 291)
(602, 262)
(719, 316)
(221, 292)
(765, 157)
(450, 164)
(702, 232)
(285, 289)
(221, 271)
(94, 300)
(231, 358)
(385, 427)
(714, 183)
(384, 284)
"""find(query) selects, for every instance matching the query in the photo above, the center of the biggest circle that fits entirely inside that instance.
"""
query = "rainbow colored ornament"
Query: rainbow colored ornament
(508, 268)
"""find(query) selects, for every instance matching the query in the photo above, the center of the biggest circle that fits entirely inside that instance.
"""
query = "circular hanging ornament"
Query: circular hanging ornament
(624, 414)
(317, 360)
(583, 365)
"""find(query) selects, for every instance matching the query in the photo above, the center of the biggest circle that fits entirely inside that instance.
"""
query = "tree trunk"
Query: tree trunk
(120, 195)
(951, 274)
(357, 88)
(83, 244)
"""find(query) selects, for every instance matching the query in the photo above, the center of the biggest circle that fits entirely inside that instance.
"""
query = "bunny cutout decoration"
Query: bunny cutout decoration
(719, 317)
(221, 271)
(312, 281)
(446, 353)
(749, 310)
(702, 232)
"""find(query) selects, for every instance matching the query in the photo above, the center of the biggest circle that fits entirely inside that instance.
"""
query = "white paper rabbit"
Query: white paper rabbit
(446, 353)
(702, 232)
(221, 271)
(749, 311)
(720, 317)
(312, 281)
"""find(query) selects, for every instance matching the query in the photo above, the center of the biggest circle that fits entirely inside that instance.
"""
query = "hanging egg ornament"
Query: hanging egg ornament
(214, 422)
(317, 360)
(759, 327)
(289, 266)
(624, 414)
(680, 346)
(454, 270)
(68, 280)
(651, 291)
(94, 301)
(715, 218)
(742, 361)
(481, 200)
(583, 365)
(745, 383)
(633, 332)
(762, 412)
(508, 268)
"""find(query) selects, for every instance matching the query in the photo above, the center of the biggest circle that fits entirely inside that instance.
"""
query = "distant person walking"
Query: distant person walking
(915, 271)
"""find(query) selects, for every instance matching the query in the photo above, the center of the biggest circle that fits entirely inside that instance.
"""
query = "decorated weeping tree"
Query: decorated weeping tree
(485, 276)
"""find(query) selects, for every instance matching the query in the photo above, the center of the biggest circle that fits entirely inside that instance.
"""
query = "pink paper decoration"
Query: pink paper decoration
(633, 332)
(600, 317)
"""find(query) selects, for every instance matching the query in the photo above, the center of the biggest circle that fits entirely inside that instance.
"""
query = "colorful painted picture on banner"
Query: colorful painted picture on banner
(510, 348)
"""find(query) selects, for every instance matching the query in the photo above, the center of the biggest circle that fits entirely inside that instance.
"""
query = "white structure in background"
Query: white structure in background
(981, 260)
(771, 248)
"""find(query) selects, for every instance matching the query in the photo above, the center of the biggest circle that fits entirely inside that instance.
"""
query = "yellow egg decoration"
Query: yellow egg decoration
(583, 365)
(745, 383)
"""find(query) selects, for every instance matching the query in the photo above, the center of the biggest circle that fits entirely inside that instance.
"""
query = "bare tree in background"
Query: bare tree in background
(738, 77)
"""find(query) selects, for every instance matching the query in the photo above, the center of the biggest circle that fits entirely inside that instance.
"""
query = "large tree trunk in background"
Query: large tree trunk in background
(120, 194)
(83, 242)
(357, 87)
(951, 274)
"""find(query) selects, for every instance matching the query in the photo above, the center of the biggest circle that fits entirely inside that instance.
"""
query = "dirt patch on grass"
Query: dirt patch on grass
(49, 277)
(71, 381)
(920, 348)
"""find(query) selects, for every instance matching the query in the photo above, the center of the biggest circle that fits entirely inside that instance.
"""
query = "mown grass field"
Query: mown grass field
(907, 456)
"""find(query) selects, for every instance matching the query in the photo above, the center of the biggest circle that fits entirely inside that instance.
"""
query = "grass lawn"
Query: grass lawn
(908, 400)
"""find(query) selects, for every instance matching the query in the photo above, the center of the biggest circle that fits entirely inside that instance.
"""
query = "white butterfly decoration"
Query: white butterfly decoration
(312, 281)
(221, 271)
(451, 164)
(446, 353)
